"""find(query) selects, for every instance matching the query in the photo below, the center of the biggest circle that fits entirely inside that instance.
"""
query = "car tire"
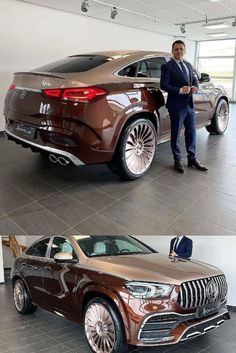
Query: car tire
(135, 151)
(103, 327)
(220, 119)
(22, 300)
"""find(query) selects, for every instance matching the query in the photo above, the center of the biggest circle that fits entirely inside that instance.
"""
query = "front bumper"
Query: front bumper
(171, 328)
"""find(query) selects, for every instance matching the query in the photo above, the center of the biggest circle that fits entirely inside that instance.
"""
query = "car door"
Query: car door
(202, 109)
(154, 65)
(32, 268)
(59, 279)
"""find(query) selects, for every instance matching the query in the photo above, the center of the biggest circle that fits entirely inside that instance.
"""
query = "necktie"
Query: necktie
(184, 71)
(176, 244)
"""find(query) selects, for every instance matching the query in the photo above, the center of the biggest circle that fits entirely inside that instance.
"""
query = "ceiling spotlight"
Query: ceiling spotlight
(114, 12)
(182, 28)
(234, 22)
(84, 5)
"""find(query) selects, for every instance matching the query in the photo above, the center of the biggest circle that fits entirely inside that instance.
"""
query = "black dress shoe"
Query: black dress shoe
(196, 164)
(178, 166)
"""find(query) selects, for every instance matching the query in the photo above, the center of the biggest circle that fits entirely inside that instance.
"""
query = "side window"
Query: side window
(39, 248)
(61, 244)
(129, 71)
(143, 70)
(154, 66)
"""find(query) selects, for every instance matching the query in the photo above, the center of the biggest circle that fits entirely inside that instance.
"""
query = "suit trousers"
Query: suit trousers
(179, 118)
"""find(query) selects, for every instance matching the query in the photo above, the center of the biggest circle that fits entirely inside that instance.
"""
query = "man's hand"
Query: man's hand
(186, 89)
(173, 253)
(194, 89)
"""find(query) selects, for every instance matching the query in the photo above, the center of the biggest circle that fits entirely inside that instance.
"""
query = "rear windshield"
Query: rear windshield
(78, 63)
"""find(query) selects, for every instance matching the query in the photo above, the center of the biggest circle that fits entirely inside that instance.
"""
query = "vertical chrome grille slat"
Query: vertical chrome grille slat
(193, 293)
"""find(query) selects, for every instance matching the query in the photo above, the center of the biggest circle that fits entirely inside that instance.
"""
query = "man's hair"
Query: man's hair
(178, 42)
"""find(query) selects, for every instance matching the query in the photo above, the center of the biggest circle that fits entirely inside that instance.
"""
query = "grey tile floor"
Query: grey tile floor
(43, 332)
(39, 198)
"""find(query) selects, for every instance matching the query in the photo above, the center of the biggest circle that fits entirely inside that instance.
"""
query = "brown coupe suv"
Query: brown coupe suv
(123, 291)
(103, 107)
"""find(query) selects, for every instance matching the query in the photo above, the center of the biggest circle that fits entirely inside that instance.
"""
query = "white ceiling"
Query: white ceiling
(162, 16)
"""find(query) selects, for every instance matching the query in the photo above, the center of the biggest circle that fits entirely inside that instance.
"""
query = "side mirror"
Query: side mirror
(204, 77)
(64, 257)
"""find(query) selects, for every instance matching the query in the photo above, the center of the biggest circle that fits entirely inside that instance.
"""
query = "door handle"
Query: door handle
(47, 268)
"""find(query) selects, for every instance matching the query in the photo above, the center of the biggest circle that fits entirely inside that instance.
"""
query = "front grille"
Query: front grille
(193, 294)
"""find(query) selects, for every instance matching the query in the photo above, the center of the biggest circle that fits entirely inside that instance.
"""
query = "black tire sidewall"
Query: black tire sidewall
(120, 344)
(122, 146)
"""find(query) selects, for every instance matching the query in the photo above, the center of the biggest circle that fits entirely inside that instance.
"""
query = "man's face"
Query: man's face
(178, 51)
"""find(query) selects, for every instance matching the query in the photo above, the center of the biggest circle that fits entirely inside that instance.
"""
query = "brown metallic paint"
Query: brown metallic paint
(67, 287)
(96, 127)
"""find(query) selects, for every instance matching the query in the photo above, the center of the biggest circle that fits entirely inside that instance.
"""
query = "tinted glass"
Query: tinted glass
(143, 70)
(154, 66)
(129, 71)
(61, 245)
(94, 245)
(39, 248)
(74, 64)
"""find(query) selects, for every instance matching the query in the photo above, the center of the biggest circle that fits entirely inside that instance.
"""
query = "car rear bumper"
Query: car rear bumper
(41, 148)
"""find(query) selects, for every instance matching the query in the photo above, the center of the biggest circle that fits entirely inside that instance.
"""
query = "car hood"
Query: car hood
(154, 267)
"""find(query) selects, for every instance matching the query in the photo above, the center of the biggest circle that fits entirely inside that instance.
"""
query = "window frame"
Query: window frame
(116, 73)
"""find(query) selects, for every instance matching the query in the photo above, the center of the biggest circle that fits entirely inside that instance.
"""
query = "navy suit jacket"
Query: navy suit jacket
(184, 248)
(172, 79)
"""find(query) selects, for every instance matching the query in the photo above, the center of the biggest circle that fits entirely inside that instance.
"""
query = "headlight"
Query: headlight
(143, 290)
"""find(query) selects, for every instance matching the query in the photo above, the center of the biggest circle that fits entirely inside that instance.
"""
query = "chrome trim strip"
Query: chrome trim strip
(68, 155)
(28, 89)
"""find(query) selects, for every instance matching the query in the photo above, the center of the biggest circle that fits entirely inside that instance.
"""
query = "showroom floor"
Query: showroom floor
(43, 332)
(39, 198)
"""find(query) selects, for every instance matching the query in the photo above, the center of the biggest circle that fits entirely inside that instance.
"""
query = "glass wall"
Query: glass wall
(217, 58)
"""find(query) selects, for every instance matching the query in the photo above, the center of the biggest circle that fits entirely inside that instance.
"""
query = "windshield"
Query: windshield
(113, 245)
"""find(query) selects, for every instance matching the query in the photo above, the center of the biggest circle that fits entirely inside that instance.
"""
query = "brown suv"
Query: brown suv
(103, 107)
(123, 291)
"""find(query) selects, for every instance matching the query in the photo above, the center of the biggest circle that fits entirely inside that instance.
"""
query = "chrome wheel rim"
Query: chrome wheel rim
(223, 117)
(99, 329)
(19, 298)
(140, 148)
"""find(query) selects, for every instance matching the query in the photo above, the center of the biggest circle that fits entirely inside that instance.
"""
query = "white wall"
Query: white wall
(215, 250)
(31, 36)
(1, 263)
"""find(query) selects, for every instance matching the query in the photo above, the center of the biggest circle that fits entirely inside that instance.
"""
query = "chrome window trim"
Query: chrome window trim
(115, 73)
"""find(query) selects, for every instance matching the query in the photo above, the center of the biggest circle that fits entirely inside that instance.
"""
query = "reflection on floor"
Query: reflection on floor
(43, 332)
(40, 198)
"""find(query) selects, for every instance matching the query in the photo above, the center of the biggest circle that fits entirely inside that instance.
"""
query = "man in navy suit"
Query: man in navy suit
(178, 80)
(181, 246)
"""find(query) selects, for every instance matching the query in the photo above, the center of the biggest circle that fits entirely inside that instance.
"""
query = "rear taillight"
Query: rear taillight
(86, 94)
(12, 87)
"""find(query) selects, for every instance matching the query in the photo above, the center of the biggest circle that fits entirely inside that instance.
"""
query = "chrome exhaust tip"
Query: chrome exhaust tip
(58, 159)
(63, 161)
(53, 158)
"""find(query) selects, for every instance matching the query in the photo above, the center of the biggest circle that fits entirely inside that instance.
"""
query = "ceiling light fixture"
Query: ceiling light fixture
(84, 5)
(182, 28)
(220, 34)
(114, 12)
(216, 25)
